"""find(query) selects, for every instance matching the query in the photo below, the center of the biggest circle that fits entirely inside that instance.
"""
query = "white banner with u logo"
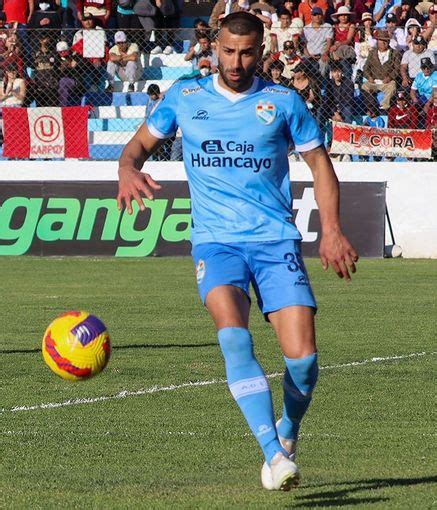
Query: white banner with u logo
(46, 131)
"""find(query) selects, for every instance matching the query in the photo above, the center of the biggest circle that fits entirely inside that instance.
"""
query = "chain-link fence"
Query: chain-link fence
(371, 100)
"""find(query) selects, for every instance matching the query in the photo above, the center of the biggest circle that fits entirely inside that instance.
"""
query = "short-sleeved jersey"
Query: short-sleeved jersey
(235, 149)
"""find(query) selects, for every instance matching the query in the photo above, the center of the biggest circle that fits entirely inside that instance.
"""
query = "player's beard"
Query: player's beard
(244, 81)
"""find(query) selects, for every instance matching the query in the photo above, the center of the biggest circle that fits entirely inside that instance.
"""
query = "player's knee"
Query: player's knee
(303, 373)
(236, 345)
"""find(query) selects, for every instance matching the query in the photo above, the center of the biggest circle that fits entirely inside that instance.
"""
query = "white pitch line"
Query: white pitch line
(173, 387)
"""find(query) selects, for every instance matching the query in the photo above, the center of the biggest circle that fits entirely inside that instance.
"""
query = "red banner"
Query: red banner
(46, 132)
(371, 141)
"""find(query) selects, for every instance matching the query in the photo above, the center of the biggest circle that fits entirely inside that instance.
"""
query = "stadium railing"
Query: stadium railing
(61, 68)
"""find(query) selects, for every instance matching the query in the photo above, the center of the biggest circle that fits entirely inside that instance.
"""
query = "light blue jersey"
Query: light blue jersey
(235, 150)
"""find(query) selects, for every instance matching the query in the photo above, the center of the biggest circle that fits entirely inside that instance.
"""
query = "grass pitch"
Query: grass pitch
(368, 440)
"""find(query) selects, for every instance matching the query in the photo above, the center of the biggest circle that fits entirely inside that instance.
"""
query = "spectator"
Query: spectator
(223, 7)
(364, 41)
(307, 6)
(408, 11)
(90, 43)
(292, 6)
(381, 9)
(99, 9)
(200, 28)
(154, 97)
(12, 55)
(4, 32)
(430, 31)
(266, 10)
(411, 60)
(18, 12)
(344, 34)
(12, 87)
(411, 31)
(124, 62)
(71, 71)
(202, 51)
(46, 16)
(363, 6)
(424, 83)
(373, 119)
(275, 73)
(288, 57)
(126, 17)
(431, 122)
(45, 85)
(381, 69)
(307, 84)
(397, 34)
(167, 19)
(282, 33)
(318, 37)
(68, 13)
(339, 95)
(205, 68)
(402, 115)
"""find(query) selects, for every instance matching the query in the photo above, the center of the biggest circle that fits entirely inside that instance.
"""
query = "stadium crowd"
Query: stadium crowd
(372, 60)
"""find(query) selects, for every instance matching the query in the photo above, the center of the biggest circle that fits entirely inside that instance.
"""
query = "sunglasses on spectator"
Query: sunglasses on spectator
(288, 47)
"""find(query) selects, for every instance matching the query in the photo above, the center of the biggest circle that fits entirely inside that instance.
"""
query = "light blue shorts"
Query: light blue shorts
(275, 269)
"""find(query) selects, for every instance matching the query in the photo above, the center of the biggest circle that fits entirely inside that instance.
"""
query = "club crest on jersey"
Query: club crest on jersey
(200, 271)
(265, 112)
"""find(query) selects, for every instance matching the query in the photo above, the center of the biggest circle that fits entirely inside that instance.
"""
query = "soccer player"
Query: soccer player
(236, 133)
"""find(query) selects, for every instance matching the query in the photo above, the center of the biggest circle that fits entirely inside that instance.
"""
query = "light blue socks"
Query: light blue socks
(249, 387)
(299, 381)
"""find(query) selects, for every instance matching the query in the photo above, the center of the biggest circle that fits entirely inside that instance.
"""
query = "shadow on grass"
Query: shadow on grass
(122, 347)
(343, 497)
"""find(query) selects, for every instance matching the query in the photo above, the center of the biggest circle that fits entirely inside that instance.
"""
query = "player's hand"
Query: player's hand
(336, 251)
(132, 185)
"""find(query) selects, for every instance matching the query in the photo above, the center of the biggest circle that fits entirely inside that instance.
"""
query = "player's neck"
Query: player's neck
(223, 85)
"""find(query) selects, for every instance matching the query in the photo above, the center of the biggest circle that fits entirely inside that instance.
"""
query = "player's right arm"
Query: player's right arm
(161, 124)
(132, 183)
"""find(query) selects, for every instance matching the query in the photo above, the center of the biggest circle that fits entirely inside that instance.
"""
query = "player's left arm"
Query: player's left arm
(335, 250)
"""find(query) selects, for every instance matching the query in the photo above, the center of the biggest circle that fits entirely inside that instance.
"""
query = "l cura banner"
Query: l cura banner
(371, 141)
(46, 132)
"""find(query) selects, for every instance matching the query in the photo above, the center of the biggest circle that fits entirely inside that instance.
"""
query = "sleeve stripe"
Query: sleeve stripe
(156, 133)
(312, 144)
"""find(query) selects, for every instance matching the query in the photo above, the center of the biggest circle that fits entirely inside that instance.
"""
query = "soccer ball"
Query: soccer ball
(76, 345)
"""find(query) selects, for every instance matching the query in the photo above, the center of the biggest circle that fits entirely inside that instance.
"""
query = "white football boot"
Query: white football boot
(266, 473)
(284, 474)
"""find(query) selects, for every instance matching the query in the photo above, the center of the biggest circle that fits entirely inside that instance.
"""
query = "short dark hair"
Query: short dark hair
(243, 23)
(282, 11)
(277, 64)
(153, 89)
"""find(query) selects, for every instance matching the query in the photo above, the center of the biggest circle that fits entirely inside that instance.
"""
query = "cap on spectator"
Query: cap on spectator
(62, 46)
(426, 62)
(391, 18)
(419, 40)
(343, 11)
(204, 62)
(366, 16)
(120, 37)
(316, 11)
(383, 35)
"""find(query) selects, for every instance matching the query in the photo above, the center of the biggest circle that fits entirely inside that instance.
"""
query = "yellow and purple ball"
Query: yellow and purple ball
(76, 345)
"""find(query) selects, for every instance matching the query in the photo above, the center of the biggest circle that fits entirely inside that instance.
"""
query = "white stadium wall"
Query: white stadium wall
(411, 193)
